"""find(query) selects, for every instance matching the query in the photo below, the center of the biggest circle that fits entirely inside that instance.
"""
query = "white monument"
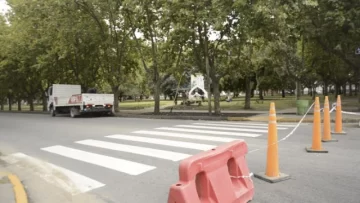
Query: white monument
(197, 82)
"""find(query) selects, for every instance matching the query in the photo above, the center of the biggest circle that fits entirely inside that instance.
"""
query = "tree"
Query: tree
(3, 82)
(165, 49)
(114, 29)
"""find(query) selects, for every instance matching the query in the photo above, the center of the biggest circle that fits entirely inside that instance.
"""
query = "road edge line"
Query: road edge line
(18, 187)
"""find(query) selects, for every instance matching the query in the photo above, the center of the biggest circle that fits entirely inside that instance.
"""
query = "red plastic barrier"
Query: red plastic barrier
(215, 176)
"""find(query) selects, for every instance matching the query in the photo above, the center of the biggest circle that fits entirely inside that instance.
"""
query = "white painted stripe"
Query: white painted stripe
(162, 154)
(255, 124)
(121, 165)
(240, 125)
(187, 136)
(223, 128)
(69, 181)
(210, 132)
(188, 145)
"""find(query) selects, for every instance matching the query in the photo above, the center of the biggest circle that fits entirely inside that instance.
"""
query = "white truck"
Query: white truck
(66, 98)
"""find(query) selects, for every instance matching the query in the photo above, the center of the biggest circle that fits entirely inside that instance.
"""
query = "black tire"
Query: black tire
(74, 112)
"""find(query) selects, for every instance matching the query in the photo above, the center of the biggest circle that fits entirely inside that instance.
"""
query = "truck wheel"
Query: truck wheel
(52, 112)
(74, 112)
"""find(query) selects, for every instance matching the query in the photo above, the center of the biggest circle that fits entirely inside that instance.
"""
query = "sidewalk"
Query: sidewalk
(6, 188)
(164, 110)
(289, 115)
(11, 188)
(284, 115)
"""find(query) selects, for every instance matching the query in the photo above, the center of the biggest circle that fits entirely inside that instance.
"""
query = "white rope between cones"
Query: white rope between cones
(293, 131)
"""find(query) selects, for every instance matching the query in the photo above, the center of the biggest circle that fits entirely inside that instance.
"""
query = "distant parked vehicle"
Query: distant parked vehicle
(65, 99)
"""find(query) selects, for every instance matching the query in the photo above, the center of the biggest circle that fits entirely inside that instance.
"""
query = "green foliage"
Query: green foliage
(143, 47)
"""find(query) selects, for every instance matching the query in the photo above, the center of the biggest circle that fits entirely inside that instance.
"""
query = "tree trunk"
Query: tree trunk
(272, 93)
(313, 93)
(344, 89)
(31, 103)
(283, 95)
(19, 104)
(247, 93)
(116, 92)
(157, 96)
(10, 103)
(252, 92)
(44, 102)
(261, 94)
(236, 94)
(2, 104)
(337, 90)
(121, 96)
(350, 90)
(216, 87)
(298, 84)
(207, 67)
(326, 89)
(298, 90)
(357, 92)
(254, 85)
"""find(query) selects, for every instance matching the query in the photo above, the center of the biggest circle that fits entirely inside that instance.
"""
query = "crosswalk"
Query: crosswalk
(184, 140)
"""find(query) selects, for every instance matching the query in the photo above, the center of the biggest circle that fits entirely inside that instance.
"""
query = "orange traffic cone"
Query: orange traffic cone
(316, 139)
(272, 173)
(338, 119)
(327, 127)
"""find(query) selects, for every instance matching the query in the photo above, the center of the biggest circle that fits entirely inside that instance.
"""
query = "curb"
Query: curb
(19, 191)
(210, 118)
(207, 118)
(25, 112)
(288, 120)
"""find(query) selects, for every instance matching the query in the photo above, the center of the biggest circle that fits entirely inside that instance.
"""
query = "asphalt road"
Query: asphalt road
(136, 160)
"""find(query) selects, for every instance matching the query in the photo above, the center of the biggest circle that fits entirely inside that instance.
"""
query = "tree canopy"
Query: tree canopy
(144, 47)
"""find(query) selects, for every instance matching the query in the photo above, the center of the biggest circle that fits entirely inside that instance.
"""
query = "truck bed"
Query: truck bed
(98, 99)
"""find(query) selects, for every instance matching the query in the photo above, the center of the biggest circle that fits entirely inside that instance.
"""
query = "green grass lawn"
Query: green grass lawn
(236, 104)
(23, 107)
(127, 105)
(135, 105)
(263, 105)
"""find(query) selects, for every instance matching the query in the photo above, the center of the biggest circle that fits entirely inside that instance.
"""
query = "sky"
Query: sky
(3, 6)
